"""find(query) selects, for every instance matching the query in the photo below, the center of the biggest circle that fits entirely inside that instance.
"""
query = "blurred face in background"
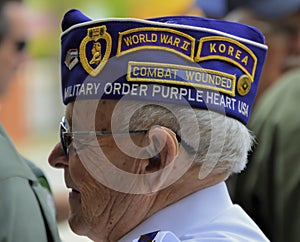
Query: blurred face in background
(277, 41)
(13, 43)
(283, 41)
(292, 27)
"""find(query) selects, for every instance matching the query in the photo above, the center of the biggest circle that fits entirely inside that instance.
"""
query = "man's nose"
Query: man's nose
(57, 157)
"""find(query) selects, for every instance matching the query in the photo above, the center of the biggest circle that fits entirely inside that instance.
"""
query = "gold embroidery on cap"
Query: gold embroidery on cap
(182, 76)
(229, 50)
(244, 85)
(91, 57)
(156, 38)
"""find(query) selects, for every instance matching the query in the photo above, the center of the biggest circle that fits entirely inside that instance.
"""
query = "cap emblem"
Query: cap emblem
(95, 50)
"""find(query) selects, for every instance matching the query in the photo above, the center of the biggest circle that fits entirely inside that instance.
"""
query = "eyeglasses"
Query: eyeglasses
(66, 136)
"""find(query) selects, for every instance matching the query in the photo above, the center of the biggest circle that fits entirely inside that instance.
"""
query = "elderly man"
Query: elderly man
(154, 125)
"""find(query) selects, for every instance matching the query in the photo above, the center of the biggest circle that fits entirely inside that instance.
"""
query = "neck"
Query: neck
(186, 185)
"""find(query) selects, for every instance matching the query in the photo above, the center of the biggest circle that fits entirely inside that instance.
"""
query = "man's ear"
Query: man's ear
(164, 148)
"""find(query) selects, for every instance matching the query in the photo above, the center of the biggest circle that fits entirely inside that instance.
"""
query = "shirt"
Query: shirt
(206, 215)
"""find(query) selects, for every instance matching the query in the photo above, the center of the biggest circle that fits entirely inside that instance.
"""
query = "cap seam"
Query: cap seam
(120, 20)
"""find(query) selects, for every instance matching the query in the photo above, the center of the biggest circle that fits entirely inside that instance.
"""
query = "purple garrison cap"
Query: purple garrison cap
(205, 63)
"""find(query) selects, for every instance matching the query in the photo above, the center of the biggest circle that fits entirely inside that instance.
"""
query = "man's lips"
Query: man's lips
(74, 193)
(72, 190)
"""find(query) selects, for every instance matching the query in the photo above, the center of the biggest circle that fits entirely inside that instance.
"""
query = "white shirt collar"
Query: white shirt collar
(180, 217)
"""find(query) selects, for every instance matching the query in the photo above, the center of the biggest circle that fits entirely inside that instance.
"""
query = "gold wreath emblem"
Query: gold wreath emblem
(95, 34)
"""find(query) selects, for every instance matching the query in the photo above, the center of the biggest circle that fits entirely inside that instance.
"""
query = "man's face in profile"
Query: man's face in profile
(94, 206)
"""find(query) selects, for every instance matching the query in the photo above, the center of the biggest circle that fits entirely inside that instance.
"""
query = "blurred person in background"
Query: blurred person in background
(141, 163)
(213, 8)
(27, 210)
(150, 9)
(269, 190)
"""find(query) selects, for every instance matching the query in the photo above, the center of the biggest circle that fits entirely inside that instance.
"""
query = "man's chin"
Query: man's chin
(78, 225)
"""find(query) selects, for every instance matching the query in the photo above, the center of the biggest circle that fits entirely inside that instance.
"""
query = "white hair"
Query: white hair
(224, 141)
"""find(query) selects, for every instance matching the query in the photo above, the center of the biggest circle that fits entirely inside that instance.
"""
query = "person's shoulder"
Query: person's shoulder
(286, 86)
(12, 164)
(15, 187)
(231, 225)
(282, 91)
(283, 96)
(20, 213)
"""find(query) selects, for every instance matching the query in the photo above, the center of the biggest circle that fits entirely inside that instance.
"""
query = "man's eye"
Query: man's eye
(68, 140)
